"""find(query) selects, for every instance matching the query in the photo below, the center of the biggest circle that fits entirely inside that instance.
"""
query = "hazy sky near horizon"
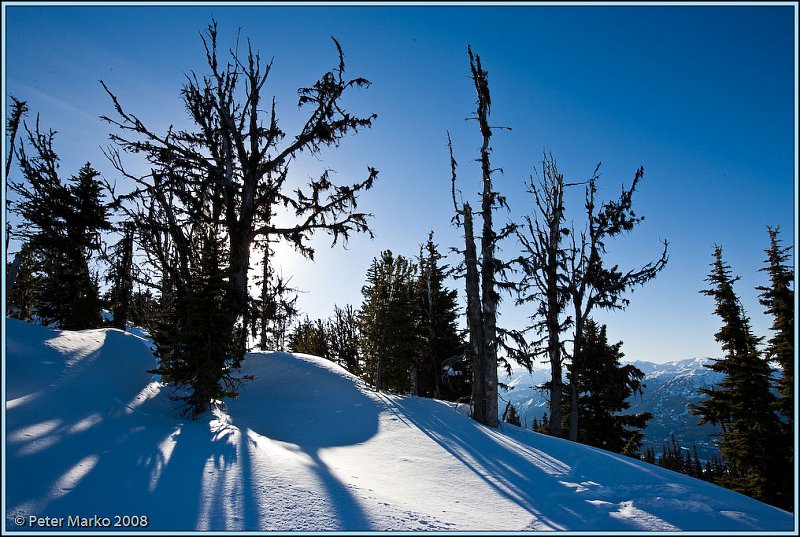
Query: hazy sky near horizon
(701, 96)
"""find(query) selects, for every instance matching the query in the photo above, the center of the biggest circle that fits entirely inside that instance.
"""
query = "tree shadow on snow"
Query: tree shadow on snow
(294, 408)
(533, 479)
(98, 442)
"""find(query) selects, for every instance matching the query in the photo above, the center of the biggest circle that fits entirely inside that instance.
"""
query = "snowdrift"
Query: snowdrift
(91, 438)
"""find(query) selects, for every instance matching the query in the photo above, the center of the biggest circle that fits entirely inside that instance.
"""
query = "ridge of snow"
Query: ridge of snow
(309, 447)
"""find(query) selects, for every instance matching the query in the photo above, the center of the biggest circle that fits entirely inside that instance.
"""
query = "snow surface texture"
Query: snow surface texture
(308, 447)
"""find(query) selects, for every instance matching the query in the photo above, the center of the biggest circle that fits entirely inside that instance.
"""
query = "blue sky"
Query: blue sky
(701, 96)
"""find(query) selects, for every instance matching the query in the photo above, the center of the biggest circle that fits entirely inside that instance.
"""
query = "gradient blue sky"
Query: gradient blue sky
(701, 96)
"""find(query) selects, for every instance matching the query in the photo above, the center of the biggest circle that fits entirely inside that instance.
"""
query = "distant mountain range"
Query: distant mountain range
(669, 389)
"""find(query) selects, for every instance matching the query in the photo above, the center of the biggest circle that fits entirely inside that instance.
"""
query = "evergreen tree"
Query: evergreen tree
(166, 327)
(121, 277)
(344, 338)
(544, 281)
(439, 341)
(310, 337)
(389, 323)
(604, 387)
(62, 223)
(698, 468)
(544, 426)
(143, 309)
(778, 299)
(18, 110)
(23, 296)
(206, 353)
(561, 266)
(649, 455)
(743, 405)
(511, 416)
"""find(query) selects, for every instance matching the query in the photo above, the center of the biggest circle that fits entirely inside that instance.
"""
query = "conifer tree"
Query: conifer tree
(23, 296)
(143, 309)
(310, 337)
(206, 352)
(604, 386)
(544, 426)
(649, 455)
(544, 280)
(344, 338)
(511, 416)
(778, 299)
(743, 404)
(276, 306)
(18, 110)
(437, 307)
(389, 323)
(562, 266)
(121, 277)
(62, 222)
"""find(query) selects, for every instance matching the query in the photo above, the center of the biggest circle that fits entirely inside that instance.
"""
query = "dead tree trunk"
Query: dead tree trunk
(474, 320)
(481, 273)
(489, 294)
(543, 282)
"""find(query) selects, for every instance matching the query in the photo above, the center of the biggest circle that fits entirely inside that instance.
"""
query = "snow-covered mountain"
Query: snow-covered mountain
(669, 389)
(92, 439)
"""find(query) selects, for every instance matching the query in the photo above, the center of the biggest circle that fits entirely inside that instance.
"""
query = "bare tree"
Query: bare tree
(231, 171)
(592, 283)
(544, 281)
(483, 275)
(557, 273)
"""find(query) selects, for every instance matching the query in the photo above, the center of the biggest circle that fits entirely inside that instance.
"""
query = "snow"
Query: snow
(308, 447)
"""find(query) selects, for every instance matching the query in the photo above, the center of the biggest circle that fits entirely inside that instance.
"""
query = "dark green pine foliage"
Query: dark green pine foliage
(778, 299)
(511, 416)
(310, 337)
(22, 298)
(389, 324)
(679, 459)
(166, 326)
(88, 219)
(200, 358)
(604, 387)
(343, 337)
(544, 426)
(63, 222)
(743, 404)
(441, 363)
(144, 308)
(121, 278)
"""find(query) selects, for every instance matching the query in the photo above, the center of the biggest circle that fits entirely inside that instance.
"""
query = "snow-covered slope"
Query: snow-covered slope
(308, 447)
